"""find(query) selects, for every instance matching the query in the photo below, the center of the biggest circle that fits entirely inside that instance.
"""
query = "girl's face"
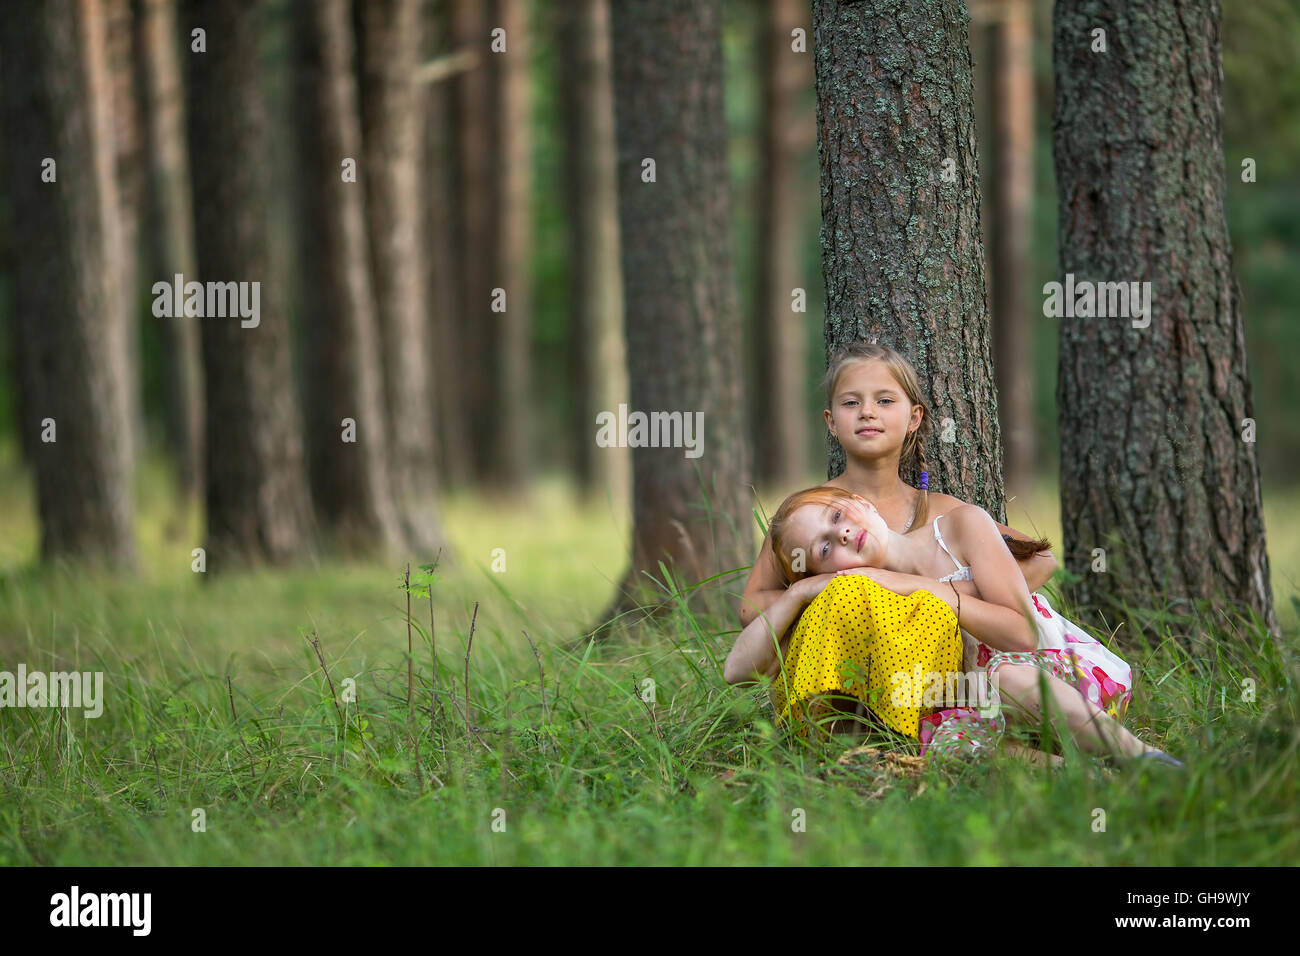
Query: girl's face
(839, 536)
(870, 414)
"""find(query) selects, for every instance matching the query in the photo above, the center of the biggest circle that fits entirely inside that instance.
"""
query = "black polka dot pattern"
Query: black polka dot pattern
(853, 638)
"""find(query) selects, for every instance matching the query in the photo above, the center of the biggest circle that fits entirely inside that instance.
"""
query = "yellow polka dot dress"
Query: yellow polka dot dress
(861, 639)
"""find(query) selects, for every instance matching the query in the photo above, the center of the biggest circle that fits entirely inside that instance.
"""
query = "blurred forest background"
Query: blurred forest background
(517, 199)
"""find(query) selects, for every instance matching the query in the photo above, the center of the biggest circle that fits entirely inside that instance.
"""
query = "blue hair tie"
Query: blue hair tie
(925, 481)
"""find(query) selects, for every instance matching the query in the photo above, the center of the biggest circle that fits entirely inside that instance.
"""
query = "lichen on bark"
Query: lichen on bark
(902, 255)
(1154, 469)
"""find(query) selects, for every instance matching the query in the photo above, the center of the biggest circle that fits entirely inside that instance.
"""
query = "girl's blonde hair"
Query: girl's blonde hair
(911, 460)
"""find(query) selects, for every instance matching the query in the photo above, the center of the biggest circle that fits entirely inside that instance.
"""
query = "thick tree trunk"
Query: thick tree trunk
(258, 503)
(347, 464)
(781, 421)
(65, 294)
(391, 123)
(511, 434)
(444, 260)
(901, 249)
(1158, 465)
(1013, 194)
(982, 70)
(24, 388)
(598, 369)
(681, 313)
(171, 232)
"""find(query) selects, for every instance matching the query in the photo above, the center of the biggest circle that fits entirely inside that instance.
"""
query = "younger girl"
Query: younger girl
(825, 531)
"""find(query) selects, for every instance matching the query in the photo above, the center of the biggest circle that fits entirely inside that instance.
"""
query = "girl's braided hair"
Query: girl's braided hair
(911, 461)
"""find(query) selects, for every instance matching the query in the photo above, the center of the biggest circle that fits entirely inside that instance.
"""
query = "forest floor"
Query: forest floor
(222, 742)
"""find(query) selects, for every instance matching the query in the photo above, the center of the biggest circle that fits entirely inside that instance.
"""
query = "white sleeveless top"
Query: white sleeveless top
(970, 647)
(963, 572)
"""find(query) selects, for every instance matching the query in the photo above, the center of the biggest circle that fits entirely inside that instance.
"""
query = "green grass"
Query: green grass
(584, 772)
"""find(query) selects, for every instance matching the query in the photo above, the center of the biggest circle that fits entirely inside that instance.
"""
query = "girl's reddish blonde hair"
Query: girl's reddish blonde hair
(779, 527)
(778, 530)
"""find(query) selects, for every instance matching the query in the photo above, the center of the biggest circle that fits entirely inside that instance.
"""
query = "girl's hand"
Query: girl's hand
(873, 573)
(809, 588)
(893, 580)
(906, 584)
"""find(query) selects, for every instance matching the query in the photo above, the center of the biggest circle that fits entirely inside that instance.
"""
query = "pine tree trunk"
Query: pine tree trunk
(511, 434)
(1013, 194)
(20, 373)
(902, 254)
(391, 132)
(475, 240)
(681, 313)
(171, 232)
(444, 260)
(124, 123)
(347, 464)
(64, 291)
(982, 70)
(780, 405)
(258, 503)
(1158, 465)
(598, 369)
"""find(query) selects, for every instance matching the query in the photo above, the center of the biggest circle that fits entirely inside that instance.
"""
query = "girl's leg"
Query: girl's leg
(1036, 757)
(1091, 727)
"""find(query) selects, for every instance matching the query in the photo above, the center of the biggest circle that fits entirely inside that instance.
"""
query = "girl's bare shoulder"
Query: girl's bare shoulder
(968, 516)
(941, 504)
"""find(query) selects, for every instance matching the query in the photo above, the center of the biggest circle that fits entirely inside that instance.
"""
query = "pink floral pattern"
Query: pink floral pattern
(1097, 672)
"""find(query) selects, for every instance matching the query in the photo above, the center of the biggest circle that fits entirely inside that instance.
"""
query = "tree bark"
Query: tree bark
(1013, 194)
(349, 478)
(780, 392)
(511, 434)
(1154, 468)
(65, 294)
(902, 254)
(171, 231)
(124, 123)
(681, 314)
(598, 369)
(445, 261)
(390, 118)
(477, 338)
(258, 502)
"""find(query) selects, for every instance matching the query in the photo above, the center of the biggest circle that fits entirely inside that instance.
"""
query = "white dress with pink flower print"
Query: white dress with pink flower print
(1065, 650)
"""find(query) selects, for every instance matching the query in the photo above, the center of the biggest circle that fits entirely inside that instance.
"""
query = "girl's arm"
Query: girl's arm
(977, 538)
(754, 653)
(763, 586)
(995, 625)
(1036, 571)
